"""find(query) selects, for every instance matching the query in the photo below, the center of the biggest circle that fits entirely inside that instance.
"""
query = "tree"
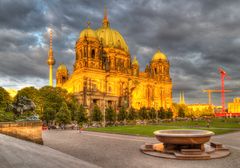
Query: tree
(64, 114)
(110, 115)
(132, 114)
(122, 115)
(97, 114)
(181, 112)
(72, 103)
(152, 114)
(5, 99)
(161, 113)
(81, 115)
(51, 97)
(169, 114)
(6, 116)
(48, 114)
(143, 114)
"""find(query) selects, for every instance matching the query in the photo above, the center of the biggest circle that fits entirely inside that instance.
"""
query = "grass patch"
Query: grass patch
(218, 126)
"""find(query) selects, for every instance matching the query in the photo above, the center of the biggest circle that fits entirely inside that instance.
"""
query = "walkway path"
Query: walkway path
(16, 153)
(112, 150)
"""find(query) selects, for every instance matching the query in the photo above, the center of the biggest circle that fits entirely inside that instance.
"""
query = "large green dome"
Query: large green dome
(111, 38)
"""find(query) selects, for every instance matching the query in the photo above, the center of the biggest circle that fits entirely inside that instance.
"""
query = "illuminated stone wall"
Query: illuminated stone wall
(30, 130)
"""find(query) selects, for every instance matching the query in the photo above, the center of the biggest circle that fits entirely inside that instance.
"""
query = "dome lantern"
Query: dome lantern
(159, 56)
(88, 32)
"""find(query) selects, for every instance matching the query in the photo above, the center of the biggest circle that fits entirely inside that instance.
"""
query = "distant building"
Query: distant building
(198, 110)
(200, 107)
(181, 99)
(234, 107)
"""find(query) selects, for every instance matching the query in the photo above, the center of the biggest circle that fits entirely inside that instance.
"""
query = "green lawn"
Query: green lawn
(218, 126)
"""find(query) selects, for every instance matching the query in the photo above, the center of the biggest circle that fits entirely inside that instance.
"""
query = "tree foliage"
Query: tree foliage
(5, 99)
(64, 114)
(49, 114)
(181, 112)
(143, 114)
(122, 115)
(132, 114)
(96, 114)
(81, 115)
(161, 113)
(169, 113)
(152, 114)
(111, 115)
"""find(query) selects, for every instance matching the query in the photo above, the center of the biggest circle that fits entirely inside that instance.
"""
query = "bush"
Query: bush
(132, 114)
(143, 114)
(161, 113)
(81, 115)
(169, 114)
(181, 112)
(152, 114)
(110, 115)
(97, 114)
(122, 115)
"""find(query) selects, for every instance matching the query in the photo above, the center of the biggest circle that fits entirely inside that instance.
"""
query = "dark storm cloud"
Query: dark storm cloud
(197, 36)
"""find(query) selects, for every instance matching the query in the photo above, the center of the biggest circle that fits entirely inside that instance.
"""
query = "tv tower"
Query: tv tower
(51, 60)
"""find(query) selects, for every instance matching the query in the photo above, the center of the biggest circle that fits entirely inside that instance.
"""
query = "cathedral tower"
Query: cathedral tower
(135, 67)
(160, 67)
(182, 99)
(61, 75)
(51, 60)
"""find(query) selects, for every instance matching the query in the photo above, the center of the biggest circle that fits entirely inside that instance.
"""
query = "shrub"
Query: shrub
(110, 115)
(122, 115)
(132, 114)
(96, 114)
(143, 114)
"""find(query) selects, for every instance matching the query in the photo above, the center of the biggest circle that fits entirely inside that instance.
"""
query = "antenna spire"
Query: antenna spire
(50, 42)
(105, 21)
(105, 13)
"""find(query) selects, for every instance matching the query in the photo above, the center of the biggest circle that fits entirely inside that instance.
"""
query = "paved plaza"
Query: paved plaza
(16, 153)
(112, 150)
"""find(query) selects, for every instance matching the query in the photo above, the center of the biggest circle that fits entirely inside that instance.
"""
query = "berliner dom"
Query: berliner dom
(105, 75)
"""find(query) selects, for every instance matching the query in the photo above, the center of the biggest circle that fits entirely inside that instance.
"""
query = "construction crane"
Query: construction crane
(223, 76)
(209, 91)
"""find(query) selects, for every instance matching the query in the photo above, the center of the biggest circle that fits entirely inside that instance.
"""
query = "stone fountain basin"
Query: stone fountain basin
(183, 136)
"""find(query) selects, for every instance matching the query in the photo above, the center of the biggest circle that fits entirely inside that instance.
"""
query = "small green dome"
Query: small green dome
(62, 67)
(88, 32)
(159, 55)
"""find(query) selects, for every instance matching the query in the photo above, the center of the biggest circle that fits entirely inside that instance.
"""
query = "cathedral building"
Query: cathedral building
(104, 73)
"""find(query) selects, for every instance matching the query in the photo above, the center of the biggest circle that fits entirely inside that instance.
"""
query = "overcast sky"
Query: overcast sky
(197, 37)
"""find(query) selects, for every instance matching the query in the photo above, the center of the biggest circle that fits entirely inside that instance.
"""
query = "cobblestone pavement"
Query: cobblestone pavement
(113, 150)
(16, 153)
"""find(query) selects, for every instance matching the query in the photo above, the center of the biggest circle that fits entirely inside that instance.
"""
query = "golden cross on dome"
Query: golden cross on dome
(88, 24)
